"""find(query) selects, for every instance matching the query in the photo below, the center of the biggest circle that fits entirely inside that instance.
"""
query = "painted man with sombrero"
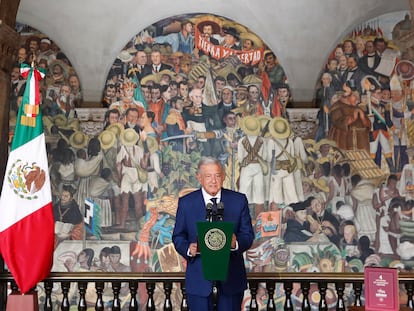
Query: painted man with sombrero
(131, 163)
(206, 29)
(109, 140)
(251, 153)
(283, 164)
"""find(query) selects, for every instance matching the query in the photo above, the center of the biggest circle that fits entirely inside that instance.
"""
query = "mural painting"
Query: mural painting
(330, 188)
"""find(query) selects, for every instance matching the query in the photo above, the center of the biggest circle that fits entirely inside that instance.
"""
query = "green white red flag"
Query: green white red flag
(26, 213)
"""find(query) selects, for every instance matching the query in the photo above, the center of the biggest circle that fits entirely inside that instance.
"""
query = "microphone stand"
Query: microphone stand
(214, 212)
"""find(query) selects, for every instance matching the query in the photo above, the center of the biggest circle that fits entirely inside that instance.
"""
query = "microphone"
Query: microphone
(220, 211)
(209, 212)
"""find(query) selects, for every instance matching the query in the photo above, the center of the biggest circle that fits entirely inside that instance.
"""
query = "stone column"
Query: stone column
(9, 40)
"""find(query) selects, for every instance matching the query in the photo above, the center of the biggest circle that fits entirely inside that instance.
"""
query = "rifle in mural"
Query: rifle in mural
(404, 70)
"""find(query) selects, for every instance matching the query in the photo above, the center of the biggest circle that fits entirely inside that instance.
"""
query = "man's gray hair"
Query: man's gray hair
(209, 160)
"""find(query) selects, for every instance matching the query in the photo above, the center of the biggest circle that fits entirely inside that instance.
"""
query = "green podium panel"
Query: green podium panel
(214, 240)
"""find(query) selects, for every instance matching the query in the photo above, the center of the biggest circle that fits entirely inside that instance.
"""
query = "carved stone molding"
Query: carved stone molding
(303, 121)
(9, 43)
(8, 11)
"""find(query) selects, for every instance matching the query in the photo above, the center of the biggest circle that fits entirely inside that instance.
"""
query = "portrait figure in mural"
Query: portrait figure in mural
(325, 222)
(127, 99)
(401, 111)
(87, 164)
(281, 154)
(324, 97)
(109, 96)
(370, 61)
(298, 228)
(273, 69)
(182, 41)
(45, 51)
(229, 158)
(350, 125)
(68, 218)
(382, 126)
(252, 157)
(132, 161)
(207, 28)
(176, 125)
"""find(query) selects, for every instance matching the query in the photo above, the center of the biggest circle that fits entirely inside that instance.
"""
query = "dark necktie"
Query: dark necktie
(214, 209)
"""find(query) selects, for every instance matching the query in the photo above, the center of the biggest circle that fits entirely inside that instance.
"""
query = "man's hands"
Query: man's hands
(233, 241)
(192, 249)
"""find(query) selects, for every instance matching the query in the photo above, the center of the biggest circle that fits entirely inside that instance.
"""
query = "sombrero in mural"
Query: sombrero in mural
(321, 184)
(252, 80)
(72, 124)
(125, 56)
(60, 120)
(279, 128)
(405, 69)
(167, 72)
(107, 139)
(152, 144)
(116, 128)
(324, 141)
(151, 77)
(129, 137)
(257, 42)
(209, 20)
(250, 125)
(78, 140)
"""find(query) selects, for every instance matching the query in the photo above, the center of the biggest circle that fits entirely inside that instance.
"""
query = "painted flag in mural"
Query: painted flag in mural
(26, 213)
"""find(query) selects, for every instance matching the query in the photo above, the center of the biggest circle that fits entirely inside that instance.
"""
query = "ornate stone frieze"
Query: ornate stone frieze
(9, 40)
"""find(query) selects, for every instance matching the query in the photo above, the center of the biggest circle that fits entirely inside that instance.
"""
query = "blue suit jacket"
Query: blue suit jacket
(191, 209)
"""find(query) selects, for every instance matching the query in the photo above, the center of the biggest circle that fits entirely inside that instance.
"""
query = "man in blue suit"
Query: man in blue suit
(192, 209)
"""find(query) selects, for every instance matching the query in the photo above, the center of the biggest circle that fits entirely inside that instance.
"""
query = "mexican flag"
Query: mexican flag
(26, 213)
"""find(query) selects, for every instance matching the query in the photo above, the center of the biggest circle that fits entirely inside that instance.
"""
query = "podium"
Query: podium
(214, 241)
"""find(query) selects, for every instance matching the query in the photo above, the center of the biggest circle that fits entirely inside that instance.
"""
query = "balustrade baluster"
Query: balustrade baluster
(150, 292)
(305, 291)
(253, 292)
(322, 291)
(48, 299)
(99, 305)
(288, 286)
(184, 303)
(171, 283)
(82, 291)
(358, 291)
(116, 288)
(14, 287)
(65, 300)
(410, 291)
(133, 288)
(167, 292)
(340, 304)
(270, 286)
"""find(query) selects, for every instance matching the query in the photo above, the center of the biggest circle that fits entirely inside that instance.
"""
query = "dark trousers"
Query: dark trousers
(225, 303)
